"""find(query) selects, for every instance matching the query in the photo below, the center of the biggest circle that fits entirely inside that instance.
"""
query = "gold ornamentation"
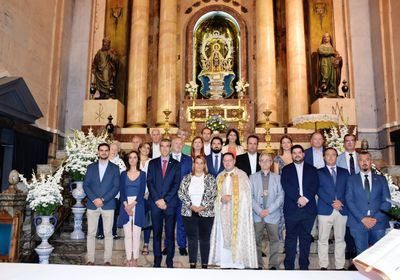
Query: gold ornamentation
(166, 125)
(268, 149)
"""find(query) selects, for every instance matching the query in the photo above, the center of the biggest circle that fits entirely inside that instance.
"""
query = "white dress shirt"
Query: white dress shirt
(196, 189)
(253, 162)
(299, 169)
(207, 148)
(102, 169)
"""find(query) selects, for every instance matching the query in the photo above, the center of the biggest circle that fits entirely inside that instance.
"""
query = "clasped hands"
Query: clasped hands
(302, 201)
(264, 213)
(368, 222)
(98, 202)
(226, 198)
(129, 207)
(197, 209)
(161, 204)
(337, 205)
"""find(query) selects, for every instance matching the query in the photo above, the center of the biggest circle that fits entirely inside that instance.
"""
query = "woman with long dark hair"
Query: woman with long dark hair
(232, 143)
(132, 218)
(197, 147)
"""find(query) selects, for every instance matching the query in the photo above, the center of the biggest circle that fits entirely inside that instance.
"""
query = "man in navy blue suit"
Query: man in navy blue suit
(214, 160)
(332, 210)
(300, 183)
(366, 196)
(101, 185)
(163, 179)
(186, 168)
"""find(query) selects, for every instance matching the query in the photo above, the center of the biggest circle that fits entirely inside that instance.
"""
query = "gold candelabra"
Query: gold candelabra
(166, 125)
(268, 148)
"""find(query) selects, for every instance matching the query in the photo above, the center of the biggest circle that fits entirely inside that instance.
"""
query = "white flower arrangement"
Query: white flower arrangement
(44, 194)
(191, 88)
(216, 123)
(81, 151)
(335, 137)
(241, 87)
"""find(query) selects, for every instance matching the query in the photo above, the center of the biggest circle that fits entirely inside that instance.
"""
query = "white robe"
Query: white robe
(231, 253)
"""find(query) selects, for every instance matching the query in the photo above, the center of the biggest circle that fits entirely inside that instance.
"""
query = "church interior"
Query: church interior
(125, 67)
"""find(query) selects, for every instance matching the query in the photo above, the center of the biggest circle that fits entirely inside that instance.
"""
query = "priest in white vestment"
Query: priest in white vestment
(233, 243)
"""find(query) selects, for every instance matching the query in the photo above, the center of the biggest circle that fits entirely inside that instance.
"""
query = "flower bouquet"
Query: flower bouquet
(81, 151)
(241, 87)
(216, 123)
(44, 194)
(191, 88)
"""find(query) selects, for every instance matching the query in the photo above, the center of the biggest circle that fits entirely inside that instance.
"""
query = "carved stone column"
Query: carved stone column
(138, 64)
(166, 91)
(296, 59)
(266, 64)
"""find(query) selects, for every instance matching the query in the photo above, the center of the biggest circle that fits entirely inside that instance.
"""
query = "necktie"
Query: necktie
(333, 175)
(352, 169)
(177, 157)
(164, 167)
(216, 163)
(265, 189)
(367, 187)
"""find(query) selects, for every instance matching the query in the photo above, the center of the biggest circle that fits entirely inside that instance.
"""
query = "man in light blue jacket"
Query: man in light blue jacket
(267, 195)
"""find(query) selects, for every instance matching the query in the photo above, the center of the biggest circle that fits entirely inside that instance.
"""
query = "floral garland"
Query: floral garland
(241, 87)
(81, 151)
(44, 194)
(216, 123)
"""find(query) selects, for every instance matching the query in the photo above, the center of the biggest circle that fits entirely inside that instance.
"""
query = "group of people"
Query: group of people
(215, 198)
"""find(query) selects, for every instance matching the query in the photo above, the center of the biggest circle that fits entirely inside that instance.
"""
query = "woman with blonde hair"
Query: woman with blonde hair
(197, 192)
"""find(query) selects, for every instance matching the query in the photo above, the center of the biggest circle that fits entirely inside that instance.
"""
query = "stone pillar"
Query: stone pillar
(138, 65)
(166, 91)
(266, 65)
(296, 59)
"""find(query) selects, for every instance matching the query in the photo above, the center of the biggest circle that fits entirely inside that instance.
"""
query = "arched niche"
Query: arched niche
(233, 19)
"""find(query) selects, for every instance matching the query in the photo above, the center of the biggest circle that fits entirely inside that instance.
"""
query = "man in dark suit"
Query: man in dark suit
(366, 196)
(314, 155)
(248, 162)
(300, 184)
(332, 210)
(186, 168)
(214, 160)
(101, 185)
(163, 179)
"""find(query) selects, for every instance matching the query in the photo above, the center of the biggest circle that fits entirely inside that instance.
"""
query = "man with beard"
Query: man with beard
(366, 197)
(300, 183)
(214, 160)
(233, 243)
(101, 185)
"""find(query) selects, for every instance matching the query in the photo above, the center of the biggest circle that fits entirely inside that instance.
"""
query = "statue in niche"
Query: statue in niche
(216, 63)
(104, 71)
(329, 68)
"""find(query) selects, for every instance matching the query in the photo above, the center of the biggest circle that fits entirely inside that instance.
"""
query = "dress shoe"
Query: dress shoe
(272, 268)
(192, 265)
(263, 255)
(89, 263)
(107, 264)
(183, 252)
(352, 267)
(204, 266)
(164, 252)
(324, 268)
(100, 236)
(116, 237)
(341, 269)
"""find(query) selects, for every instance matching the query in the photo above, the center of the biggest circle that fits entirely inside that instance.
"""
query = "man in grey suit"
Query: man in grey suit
(349, 158)
(267, 196)
(101, 185)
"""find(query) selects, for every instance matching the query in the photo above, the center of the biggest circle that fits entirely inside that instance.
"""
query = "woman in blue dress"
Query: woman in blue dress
(132, 215)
